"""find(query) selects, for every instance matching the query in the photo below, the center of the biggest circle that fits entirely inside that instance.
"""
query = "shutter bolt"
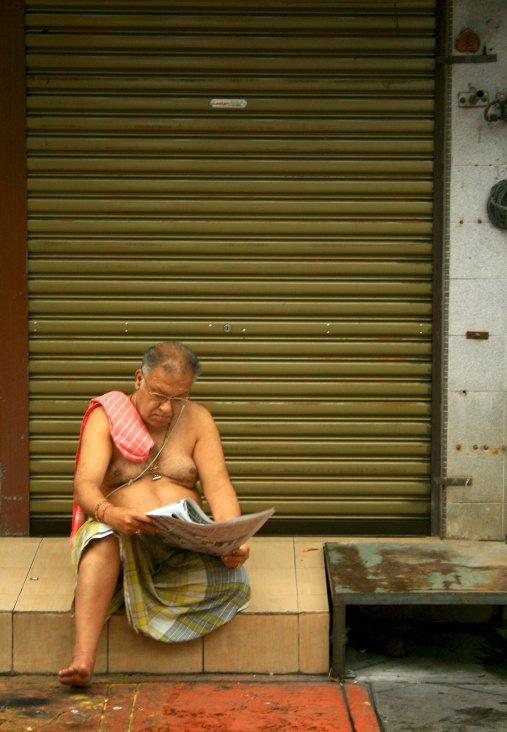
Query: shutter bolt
(227, 328)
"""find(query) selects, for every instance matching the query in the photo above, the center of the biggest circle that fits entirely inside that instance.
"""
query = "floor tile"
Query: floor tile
(273, 590)
(47, 589)
(18, 551)
(11, 584)
(309, 552)
(5, 642)
(311, 581)
(254, 644)
(314, 643)
(53, 552)
(132, 653)
(43, 643)
(313, 603)
(272, 603)
(271, 553)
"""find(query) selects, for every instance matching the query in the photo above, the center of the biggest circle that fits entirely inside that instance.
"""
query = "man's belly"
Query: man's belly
(146, 494)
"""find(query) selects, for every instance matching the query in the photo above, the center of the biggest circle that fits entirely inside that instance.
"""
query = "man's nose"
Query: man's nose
(166, 407)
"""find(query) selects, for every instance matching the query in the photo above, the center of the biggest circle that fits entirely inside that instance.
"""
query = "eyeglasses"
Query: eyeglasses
(176, 401)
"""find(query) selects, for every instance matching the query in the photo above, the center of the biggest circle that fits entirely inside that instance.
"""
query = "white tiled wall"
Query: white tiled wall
(477, 370)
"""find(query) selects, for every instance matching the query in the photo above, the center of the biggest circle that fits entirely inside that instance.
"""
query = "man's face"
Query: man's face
(161, 396)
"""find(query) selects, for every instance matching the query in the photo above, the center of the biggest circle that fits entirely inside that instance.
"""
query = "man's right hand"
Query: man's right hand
(128, 521)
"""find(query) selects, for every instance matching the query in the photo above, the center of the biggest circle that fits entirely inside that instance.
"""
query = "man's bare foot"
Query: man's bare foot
(77, 675)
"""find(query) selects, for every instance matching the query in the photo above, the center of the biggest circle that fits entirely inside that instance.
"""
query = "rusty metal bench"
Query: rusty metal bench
(396, 573)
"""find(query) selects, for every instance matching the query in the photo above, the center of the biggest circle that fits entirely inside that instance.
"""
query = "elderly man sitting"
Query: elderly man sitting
(138, 453)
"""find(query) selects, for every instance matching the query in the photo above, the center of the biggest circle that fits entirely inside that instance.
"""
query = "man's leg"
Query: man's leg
(98, 572)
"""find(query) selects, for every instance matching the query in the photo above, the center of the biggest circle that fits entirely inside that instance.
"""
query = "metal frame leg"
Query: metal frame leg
(338, 641)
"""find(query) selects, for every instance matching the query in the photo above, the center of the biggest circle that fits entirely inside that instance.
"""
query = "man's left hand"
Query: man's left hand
(237, 558)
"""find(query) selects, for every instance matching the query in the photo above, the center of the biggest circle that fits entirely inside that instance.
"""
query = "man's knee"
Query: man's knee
(106, 548)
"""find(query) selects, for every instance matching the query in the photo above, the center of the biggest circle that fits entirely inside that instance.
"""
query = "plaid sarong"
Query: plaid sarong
(169, 594)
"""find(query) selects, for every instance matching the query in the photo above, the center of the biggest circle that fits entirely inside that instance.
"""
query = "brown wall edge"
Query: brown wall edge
(14, 448)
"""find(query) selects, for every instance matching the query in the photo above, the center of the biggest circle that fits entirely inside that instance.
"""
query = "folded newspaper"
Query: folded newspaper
(184, 524)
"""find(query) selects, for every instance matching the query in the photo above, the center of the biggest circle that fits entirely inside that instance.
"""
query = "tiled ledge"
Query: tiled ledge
(285, 629)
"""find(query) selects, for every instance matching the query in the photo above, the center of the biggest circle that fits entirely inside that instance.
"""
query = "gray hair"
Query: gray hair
(171, 356)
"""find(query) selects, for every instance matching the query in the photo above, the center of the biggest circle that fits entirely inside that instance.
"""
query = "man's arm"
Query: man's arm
(214, 476)
(94, 457)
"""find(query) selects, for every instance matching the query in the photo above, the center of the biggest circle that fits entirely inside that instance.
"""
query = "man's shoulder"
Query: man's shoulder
(112, 400)
(198, 410)
(199, 416)
(97, 419)
(104, 406)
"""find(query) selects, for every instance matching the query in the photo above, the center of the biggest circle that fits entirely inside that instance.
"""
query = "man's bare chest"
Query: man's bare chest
(174, 462)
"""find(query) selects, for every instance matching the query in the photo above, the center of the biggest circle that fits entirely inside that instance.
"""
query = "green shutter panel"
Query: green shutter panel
(254, 179)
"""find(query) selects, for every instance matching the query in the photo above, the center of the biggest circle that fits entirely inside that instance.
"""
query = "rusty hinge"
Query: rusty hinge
(465, 482)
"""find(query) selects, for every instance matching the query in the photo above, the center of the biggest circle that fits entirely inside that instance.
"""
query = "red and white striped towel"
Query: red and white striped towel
(128, 433)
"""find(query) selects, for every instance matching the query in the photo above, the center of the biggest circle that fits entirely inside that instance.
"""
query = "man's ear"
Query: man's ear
(138, 379)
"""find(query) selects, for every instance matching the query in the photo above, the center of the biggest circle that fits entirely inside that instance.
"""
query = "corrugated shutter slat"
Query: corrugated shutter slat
(302, 220)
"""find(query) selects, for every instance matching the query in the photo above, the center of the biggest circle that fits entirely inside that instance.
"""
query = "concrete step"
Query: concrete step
(285, 630)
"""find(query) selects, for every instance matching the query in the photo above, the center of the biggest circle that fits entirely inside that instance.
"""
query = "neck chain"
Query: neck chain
(153, 469)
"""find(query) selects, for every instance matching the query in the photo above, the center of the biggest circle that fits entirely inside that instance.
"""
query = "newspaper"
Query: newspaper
(185, 525)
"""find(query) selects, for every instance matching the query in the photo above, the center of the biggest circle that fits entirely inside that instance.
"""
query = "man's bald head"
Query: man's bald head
(173, 357)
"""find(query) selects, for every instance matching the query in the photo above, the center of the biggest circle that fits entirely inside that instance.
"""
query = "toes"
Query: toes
(73, 676)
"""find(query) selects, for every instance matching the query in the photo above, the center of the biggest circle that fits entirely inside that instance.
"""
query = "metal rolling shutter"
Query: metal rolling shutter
(288, 241)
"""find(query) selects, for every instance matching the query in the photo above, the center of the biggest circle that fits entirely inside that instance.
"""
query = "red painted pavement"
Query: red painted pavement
(361, 708)
(209, 704)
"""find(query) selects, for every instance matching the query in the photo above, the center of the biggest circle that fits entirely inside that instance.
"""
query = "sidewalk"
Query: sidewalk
(453, 679)
(187, 704)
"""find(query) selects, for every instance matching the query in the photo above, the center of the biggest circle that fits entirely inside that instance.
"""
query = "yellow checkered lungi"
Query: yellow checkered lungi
(169, 594)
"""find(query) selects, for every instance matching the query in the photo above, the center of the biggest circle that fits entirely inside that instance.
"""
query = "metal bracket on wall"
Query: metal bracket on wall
(478, 335)
(464, 482)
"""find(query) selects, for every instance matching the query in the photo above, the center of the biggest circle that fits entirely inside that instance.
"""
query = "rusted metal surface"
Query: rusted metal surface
(392, 573)
(418, 573)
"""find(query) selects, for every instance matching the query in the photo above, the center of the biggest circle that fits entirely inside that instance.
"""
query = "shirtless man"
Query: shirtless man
(193, 451)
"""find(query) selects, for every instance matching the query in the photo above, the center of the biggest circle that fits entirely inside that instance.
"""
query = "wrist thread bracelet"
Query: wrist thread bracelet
(99, 504)
(102, 513)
